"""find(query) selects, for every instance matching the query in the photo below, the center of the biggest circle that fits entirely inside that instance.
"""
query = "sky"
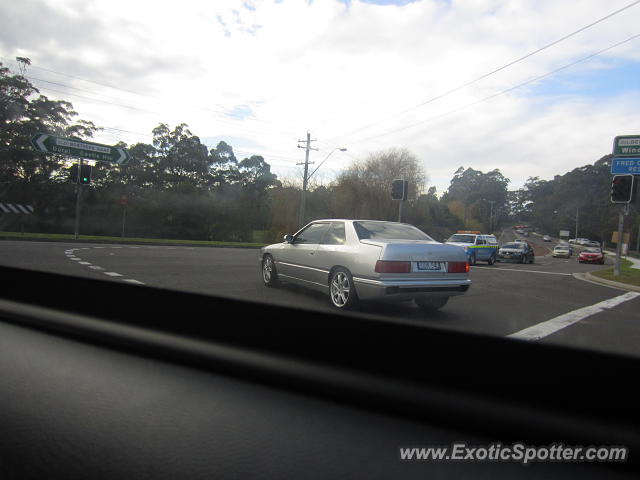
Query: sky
(362, 75)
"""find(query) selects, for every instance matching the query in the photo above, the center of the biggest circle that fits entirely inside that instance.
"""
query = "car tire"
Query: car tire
(532, 259)
(431, 304)
(342, 292)
(492, 260)
(472, 259)
(269, 273)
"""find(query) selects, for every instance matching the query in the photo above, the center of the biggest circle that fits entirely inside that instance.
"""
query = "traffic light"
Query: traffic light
(85, 174)
(399, 189)
(622, 188)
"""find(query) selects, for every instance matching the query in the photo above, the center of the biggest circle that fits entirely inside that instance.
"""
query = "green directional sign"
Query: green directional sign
(43, 142)
(626, 146)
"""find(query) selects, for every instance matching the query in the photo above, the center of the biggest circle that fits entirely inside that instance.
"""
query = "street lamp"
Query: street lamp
(306, 180)
(577, 209)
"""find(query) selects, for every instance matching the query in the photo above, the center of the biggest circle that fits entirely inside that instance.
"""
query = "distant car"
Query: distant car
(591, 255)
(354, 260)
(546, 238)
(525, 234)
(572, 240)
(581, 241)
(562, 251)
(520, 252)
(591, 243)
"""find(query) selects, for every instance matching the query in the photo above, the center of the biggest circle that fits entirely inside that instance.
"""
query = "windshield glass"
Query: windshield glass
(388, 231)
(462, 238)
(174, 145)
(517, 246)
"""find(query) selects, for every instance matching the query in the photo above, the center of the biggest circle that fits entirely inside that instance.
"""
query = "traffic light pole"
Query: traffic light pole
(78, 200)
(400, 211)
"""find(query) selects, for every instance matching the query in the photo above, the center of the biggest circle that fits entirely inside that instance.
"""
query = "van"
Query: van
(479, 247)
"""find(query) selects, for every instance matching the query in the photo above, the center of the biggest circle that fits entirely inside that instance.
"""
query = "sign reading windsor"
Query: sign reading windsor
(626, 155)
(46, 143)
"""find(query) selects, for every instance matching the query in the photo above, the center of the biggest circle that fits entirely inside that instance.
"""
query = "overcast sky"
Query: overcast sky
(356, 74)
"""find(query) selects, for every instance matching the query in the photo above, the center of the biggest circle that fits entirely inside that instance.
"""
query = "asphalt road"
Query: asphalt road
(542, 302)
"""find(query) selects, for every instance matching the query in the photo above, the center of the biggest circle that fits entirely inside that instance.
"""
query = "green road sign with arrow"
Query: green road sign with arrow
(43, 142)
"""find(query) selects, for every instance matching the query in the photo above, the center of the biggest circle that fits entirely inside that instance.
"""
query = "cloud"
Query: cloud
(333, 67)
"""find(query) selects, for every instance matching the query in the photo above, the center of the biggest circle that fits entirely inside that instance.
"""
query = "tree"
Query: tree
(364, 189)
(475, 195)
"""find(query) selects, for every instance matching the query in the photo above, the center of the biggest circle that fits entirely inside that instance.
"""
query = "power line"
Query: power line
(499, 93)
(492, 72)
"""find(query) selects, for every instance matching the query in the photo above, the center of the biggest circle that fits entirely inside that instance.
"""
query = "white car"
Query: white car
(562, 251)
(353, 260)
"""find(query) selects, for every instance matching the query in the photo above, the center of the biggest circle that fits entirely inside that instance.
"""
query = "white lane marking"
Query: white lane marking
(134, 247)
(519, 270)
(96, 267)
(543, 329)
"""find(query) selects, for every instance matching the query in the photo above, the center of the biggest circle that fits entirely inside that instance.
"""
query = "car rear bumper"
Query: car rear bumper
(407, 289)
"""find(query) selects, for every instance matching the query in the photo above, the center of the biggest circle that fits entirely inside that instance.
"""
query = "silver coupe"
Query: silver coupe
(354, 260)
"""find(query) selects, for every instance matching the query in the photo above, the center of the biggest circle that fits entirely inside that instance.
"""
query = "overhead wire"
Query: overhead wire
(494, 71)
(502, 92)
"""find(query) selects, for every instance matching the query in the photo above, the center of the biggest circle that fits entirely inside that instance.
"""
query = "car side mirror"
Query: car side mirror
(288, 239)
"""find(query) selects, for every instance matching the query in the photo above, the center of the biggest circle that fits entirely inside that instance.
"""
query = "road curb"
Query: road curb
(593, 279)
(116, 242)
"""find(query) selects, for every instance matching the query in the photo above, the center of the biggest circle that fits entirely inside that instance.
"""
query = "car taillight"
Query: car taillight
(387, 266)
(458, 267)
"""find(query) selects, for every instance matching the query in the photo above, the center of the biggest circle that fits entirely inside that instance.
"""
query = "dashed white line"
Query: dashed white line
(70, 256)
(544, 329)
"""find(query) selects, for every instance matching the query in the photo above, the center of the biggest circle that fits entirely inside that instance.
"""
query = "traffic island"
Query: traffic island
(629, 278)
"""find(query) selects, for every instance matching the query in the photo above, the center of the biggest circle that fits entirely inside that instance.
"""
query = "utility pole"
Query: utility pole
(616, 265)
(576, 237)
(305, 179)
(78, 200)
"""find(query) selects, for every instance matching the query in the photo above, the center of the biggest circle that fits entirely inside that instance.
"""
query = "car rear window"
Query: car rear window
(389, 231)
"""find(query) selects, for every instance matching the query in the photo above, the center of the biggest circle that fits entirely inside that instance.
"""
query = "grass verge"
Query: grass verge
(627, 274)
(57, 237)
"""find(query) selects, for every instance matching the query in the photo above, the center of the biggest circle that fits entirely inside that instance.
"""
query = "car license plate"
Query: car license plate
(429, 266)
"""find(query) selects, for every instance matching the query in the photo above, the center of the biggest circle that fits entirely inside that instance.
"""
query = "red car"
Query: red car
(592, 255)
